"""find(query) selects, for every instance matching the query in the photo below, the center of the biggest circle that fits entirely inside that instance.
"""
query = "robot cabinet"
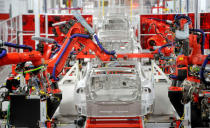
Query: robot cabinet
(31, 111)
(27, 111)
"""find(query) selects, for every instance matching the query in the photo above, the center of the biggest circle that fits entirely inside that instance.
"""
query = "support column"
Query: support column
(37, 20)
(197, 15)
(187, 6)
(180, 6)
(46, 18)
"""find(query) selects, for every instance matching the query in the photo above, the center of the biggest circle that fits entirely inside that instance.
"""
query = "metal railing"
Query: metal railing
(9, 31)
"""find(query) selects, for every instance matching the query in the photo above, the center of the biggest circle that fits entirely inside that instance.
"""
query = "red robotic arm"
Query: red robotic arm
(15, 58)
(162, 30)
(73, 38)
(76, 37)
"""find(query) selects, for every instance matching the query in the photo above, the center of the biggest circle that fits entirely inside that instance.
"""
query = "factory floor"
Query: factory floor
(67, 126)
(2, 125)
(151, 123)
(67, 122)
(154, 121)
(162, 111)
(161, 117)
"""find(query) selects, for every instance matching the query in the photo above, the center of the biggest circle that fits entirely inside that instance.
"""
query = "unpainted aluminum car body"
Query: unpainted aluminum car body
(114, 89)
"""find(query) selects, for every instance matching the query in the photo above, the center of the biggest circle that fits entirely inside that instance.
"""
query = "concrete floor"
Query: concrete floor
(67, 126)
(2, 125)
(162, 103)
(4, 71)
(161, 113)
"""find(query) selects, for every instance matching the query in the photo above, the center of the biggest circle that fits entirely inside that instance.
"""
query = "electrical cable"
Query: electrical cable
(18, 46)
(203, 38)
(166, 45)
(202, 78)
(181, 119)
(32, 70)
(177, 17)
(173, 76)
(71, 53)
(57, 45)
(51, 56)
(64, 50)
(91, 31)
(71, 38)
(101, 47)
(180, 124)
(58, 49)
(159, 51)
(3, 52)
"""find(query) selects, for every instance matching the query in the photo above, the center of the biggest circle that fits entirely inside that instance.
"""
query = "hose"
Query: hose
(189, 21)
(3, 52)
(57, 45)
(58, 49)
(202, 78)
(51, 56)
(73, 52)
(173, 76)
(159, 51)
(98, 42)
(90, 30)
(203, 38)
(166, 45)
(18, 46)
(101, 47)
(64, 50)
